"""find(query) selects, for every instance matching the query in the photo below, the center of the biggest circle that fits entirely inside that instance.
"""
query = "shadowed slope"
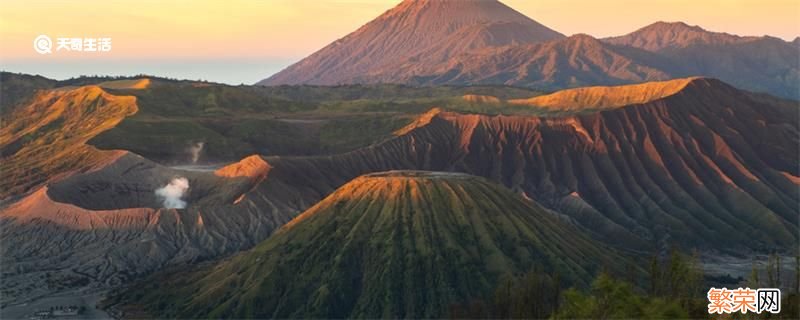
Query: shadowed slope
(387, 245)
(579, 60)
(765, 64)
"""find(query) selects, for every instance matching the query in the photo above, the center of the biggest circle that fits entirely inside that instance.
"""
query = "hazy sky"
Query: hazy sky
(243, 41)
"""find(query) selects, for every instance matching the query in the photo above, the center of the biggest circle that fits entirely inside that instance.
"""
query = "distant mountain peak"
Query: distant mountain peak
(417, 33)
(670, 35)
(582, 39)
(462, 10)
(672, 25)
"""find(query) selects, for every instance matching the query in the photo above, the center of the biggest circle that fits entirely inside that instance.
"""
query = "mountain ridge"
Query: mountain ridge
(501, 54)
(607, 97)
(674, 35)
(703, 148)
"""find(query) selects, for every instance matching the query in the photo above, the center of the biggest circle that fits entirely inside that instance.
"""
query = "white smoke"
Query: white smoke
(173, 192)
(195, 149)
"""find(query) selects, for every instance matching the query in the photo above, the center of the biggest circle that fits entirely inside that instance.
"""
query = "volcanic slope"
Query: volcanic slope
(707, 166)
(412, 38)
(107, 226)
(387, 245)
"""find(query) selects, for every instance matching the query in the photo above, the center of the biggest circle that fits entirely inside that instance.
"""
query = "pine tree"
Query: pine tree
(654, 276)
(771, 271)
(778, 271)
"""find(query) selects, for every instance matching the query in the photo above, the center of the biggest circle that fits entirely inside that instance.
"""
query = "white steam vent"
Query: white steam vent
(195, 149)
(173, 192)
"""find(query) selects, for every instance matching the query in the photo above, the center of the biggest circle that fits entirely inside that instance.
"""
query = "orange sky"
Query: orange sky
(285, 30)
(292, 28)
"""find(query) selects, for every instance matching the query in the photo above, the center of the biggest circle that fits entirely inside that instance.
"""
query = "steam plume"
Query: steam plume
(195, 150)
(173, 192)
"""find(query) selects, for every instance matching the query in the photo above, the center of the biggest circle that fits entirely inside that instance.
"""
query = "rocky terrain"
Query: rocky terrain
(108, 226)
(704, 167)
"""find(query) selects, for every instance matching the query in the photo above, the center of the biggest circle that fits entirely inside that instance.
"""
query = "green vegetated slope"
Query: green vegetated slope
(237, 121)
(386, 245)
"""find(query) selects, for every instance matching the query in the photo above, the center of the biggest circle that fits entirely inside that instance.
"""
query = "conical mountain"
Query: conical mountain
(414, 36)
(402, 244)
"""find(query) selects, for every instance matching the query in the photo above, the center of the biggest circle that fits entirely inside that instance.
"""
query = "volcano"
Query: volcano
(414, 37)
(401, 244)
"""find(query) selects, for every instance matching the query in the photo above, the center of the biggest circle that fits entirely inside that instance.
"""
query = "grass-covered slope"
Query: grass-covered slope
(237, 121)
(387, 245)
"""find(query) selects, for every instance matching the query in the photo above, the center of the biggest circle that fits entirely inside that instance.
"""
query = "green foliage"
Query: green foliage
(238, 121)
(532, 296)
(679, 278)
(797, 274)
(344, 134)
(609, 298)
(790, 306)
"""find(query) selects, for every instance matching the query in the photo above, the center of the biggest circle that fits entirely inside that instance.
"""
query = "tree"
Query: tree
(655, 273)
(797, 274)
(681, 277)
(753, 281)
(532, 296)
(609, 298)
